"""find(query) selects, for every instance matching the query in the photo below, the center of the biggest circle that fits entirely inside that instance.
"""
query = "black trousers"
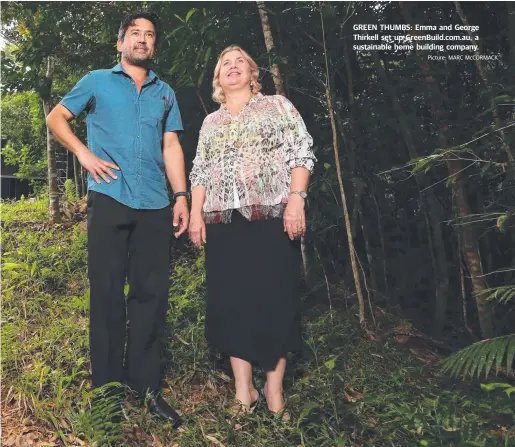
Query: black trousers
(126, 335)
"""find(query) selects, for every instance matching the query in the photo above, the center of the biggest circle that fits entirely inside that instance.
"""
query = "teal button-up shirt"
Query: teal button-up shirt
(126, 127)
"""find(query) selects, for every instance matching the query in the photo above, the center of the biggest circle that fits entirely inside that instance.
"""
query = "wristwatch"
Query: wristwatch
(303, 194)
(179, 194)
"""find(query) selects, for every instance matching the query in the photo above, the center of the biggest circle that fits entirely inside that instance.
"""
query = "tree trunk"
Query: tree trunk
(306, 250)
(357, 212)
(269, 42)
(83, 177)
(76, 175)
(348, 228)
(469, 247)
(352, 251)
(53, 190)
(358, 175)
(442, 270)
(463, 291)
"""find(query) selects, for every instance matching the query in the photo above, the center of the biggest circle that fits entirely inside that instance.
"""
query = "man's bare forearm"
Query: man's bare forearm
(173, 158)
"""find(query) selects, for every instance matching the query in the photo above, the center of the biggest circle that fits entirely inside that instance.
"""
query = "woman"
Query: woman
(249, 182)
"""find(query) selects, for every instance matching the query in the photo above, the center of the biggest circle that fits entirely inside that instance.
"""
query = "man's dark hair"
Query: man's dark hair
(129, 20)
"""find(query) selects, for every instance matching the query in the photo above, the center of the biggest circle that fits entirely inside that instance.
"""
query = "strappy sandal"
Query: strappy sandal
(239, 409)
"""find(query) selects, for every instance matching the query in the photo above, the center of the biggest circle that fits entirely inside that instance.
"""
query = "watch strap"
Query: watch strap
(182, 194)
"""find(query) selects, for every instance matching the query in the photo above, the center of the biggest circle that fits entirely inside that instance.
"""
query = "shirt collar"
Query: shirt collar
(151, 77)
(257, 96)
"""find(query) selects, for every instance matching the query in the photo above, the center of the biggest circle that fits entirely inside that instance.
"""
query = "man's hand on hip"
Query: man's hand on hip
(96, 166)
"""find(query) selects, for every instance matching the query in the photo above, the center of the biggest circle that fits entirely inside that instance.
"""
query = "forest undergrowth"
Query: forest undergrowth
(349, 387)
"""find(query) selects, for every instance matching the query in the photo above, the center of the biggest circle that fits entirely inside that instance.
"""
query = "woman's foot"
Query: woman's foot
(275, 402)
(245, 401)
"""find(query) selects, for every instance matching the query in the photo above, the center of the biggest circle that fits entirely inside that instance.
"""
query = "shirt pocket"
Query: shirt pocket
(153, 111)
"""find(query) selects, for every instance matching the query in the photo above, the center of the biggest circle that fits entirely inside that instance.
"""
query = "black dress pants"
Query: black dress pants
(135, 244)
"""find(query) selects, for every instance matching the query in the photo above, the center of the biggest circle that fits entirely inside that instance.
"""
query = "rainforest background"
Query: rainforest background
(409, 260)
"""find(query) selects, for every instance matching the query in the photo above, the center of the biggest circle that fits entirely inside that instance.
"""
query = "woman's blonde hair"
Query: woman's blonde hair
(218, 93)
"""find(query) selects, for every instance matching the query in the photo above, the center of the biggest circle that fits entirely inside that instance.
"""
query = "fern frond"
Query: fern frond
(102, 423)
(481, 356)
(502, 294)
(474, 359)
(510, 356)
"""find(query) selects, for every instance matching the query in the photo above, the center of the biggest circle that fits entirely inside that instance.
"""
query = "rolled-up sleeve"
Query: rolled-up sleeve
(198, 174)
(298, 142)
(81, 96)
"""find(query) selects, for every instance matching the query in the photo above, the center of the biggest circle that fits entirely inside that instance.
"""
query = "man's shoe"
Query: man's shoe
(158, 406)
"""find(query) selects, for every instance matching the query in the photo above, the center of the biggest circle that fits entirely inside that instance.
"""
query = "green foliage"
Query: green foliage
(187, 290)
(192, 47)
(70, 192)
(502, 294)
(100, 425)
(507, 387)
(45, 281)
(24, 210)
(23, 127)
(482, 356)
(505, 221)
(345, 389)
(40, 30)
(193, 34)
(185, 317)
(425, 164)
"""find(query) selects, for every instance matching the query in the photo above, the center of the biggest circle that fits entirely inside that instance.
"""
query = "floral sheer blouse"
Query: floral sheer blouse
(245, 162)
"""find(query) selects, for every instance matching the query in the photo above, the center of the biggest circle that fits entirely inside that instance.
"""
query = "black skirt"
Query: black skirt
(253, 273)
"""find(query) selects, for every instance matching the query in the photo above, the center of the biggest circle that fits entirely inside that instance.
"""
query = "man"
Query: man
(132, 121)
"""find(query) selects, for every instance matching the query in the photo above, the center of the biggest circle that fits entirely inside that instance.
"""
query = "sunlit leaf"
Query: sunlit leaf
(190, 13)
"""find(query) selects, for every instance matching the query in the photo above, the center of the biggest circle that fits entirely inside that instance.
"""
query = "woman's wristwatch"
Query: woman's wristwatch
(180, 194)
(303, 194)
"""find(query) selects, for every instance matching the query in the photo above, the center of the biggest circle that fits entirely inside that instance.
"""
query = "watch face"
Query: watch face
(303, 194)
